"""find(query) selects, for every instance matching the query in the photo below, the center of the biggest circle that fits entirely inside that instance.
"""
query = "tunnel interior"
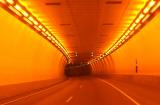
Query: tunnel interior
(79, 52)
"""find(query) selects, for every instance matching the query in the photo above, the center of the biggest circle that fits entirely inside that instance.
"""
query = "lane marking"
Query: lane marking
(15, 100)
(35, 93)
(80, 86)
(122, 92)
(69, 99)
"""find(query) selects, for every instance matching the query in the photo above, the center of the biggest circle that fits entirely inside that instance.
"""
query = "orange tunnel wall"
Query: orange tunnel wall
(24, 55)
(142, 48)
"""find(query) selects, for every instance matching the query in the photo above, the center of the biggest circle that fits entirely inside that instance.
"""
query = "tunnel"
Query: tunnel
(79, 52)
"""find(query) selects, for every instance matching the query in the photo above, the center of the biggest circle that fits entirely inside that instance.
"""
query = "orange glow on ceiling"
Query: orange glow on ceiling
(87, 29)
(141, 18)
(19, 11)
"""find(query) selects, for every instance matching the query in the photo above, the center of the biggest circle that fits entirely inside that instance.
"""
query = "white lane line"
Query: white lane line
(69, 99)
(35, 93)
(15, 100)
(122, 92)
(80, 86)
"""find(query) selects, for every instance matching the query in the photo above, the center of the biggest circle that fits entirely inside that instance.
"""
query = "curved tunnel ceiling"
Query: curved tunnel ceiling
(86, 28)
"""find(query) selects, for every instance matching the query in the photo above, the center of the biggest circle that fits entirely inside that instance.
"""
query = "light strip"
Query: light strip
(148, 10)
(10, 1)
(18, 10)
(28, 21)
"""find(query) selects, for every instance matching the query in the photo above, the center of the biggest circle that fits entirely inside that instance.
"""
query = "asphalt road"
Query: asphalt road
(89, 91)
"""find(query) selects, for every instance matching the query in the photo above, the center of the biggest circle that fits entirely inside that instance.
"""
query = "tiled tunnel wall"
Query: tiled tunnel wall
(138, 58)
(27, 61)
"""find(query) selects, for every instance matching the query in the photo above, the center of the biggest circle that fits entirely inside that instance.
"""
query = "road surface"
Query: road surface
(90, 91)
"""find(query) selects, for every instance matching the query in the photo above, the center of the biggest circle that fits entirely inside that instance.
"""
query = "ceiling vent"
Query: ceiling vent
(114, 2)
(107, 24)
(53, 3)
(65, 24)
